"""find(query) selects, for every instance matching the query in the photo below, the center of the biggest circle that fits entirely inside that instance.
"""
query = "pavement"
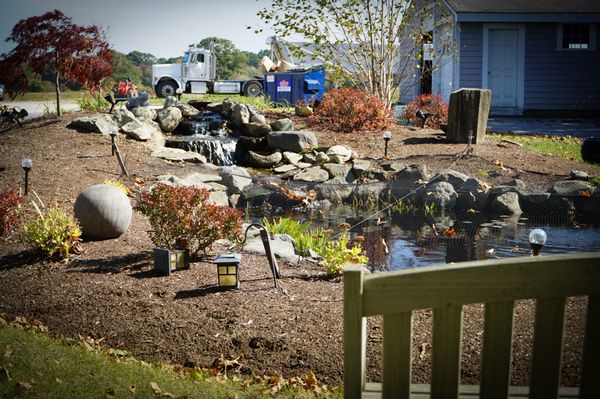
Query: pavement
(555, 127)
(35, 109)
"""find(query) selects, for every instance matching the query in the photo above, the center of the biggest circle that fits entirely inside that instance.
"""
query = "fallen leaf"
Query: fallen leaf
(471, 211)
(585, 193)
(423, 350)
(24, 385)
(449, 232)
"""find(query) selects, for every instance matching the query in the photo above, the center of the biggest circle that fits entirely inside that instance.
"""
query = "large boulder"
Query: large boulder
(282, 125)
(169, 118)
(473, 195)
(457, 179)
(235, 178)
(240, 115)
(103, 211)
(186, 109)
(259, 118)
(441, 194)
(94, 124)
(256, 129)
(137, 101)
(505, 204)
(334, 191)
(339, 154)
(339, 173)
(122, 116)
(144, 113)
(178, 155)
(263, 161)
(314, 174)
(292, 141)
(571, 187)
(139, 130)
(292, 157)
(407, 180)
(467, 115)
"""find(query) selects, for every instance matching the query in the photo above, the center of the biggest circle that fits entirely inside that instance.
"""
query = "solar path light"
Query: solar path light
(387, 135)
(537, 240)
(26, 163)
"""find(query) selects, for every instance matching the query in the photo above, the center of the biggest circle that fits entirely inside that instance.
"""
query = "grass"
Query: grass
(33, 365)
(567, 147)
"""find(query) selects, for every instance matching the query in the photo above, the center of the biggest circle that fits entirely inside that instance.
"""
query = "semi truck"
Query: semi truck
(197, 74)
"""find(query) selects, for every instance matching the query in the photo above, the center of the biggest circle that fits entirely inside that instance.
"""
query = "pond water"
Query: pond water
(396, 241)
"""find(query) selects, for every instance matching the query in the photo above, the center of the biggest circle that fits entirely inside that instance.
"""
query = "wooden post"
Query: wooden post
(355, 332)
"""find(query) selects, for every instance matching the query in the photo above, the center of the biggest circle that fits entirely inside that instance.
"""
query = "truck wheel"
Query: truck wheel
(166, 88)
(252, 89)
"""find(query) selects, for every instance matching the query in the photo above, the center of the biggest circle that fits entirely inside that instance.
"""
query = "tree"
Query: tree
(230, 60)
(124, 68)
(74, 53)
(139, 58)
(373, 44)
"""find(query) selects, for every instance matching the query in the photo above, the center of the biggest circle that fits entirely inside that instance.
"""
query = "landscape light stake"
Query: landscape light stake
(386, 137)
(115, 151)
(537, 239)
(26, 163)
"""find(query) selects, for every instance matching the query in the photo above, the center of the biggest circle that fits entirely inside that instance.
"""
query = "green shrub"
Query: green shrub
(52, 232)
(10, 217)
(428, 104)
(95, 103)
(182, 217)
(349, 109)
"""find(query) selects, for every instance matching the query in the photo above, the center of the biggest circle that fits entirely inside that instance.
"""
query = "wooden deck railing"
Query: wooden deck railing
(498, 283)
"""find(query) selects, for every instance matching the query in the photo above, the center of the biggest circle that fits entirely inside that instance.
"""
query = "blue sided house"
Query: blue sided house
(537, 57)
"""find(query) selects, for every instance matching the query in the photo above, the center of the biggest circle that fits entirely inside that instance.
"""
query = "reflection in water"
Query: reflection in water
(414, 239)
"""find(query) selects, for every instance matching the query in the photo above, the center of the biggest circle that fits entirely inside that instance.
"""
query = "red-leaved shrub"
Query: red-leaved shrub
(182, 217)
(431, 105)
(10, 202)
(349, 109)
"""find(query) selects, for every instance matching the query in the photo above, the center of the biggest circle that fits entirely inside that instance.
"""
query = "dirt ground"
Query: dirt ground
(110, 290)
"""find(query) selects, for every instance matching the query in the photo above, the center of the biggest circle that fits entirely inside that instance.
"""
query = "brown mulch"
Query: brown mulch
(110, 290)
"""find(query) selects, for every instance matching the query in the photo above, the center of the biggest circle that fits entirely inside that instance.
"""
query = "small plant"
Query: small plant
(52, 232)
(596, 181)
(10, 216)
(182, 218)
(430, 209)
(338, 253)
(431, 105)
(92, 103)
(349, 109)
(118, 185)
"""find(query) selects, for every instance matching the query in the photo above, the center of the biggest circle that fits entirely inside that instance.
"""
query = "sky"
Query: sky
(163, 28)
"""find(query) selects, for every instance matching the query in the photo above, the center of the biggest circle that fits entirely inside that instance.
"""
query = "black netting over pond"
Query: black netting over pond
(408, 231)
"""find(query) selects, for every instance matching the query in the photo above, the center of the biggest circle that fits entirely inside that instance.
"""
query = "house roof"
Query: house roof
(520, 6)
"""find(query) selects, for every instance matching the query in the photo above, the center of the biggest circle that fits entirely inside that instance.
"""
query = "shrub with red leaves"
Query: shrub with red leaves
(349, 109)
(430, 104)
(10, 217)
(182, 217)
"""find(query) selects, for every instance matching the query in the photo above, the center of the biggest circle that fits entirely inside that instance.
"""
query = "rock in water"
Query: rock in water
(103, 212)
(169, 118)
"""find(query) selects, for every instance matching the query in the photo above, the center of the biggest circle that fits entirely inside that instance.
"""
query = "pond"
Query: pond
(394, 240)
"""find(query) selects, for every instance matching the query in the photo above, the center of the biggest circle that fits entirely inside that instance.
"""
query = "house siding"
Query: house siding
(471, 54)
(559, 80)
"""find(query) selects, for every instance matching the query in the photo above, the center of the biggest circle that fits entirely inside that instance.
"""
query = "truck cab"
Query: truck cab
(196, 74)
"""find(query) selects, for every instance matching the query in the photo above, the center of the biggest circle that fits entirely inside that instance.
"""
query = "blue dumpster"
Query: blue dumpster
(295, 86)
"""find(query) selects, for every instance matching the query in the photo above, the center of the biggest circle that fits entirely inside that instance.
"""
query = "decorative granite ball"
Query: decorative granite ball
(103, 212)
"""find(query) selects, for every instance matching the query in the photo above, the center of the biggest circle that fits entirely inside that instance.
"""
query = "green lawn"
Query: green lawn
(33, 365)
(567, 147)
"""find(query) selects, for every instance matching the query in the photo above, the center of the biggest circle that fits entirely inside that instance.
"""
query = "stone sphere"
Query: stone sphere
(103, 212)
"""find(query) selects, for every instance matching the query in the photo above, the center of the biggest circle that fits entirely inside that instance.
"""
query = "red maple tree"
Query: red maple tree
(52, 42)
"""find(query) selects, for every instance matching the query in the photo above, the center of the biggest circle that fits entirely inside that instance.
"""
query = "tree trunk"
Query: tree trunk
(57, 83)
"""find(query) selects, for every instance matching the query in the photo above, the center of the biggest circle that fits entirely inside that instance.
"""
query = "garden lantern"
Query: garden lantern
(26, 163)
(537, 239)
(228, 270)
(387, 135)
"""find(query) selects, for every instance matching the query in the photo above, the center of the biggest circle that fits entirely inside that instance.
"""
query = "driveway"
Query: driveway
(37, 108)
(555, 127)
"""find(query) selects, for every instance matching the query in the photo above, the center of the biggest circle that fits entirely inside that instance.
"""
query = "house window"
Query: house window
(576, 37)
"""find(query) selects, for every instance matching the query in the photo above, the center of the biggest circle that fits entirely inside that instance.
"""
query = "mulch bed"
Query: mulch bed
(110, 290)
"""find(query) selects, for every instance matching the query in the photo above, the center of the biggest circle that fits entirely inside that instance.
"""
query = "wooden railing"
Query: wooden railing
(497, 283)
